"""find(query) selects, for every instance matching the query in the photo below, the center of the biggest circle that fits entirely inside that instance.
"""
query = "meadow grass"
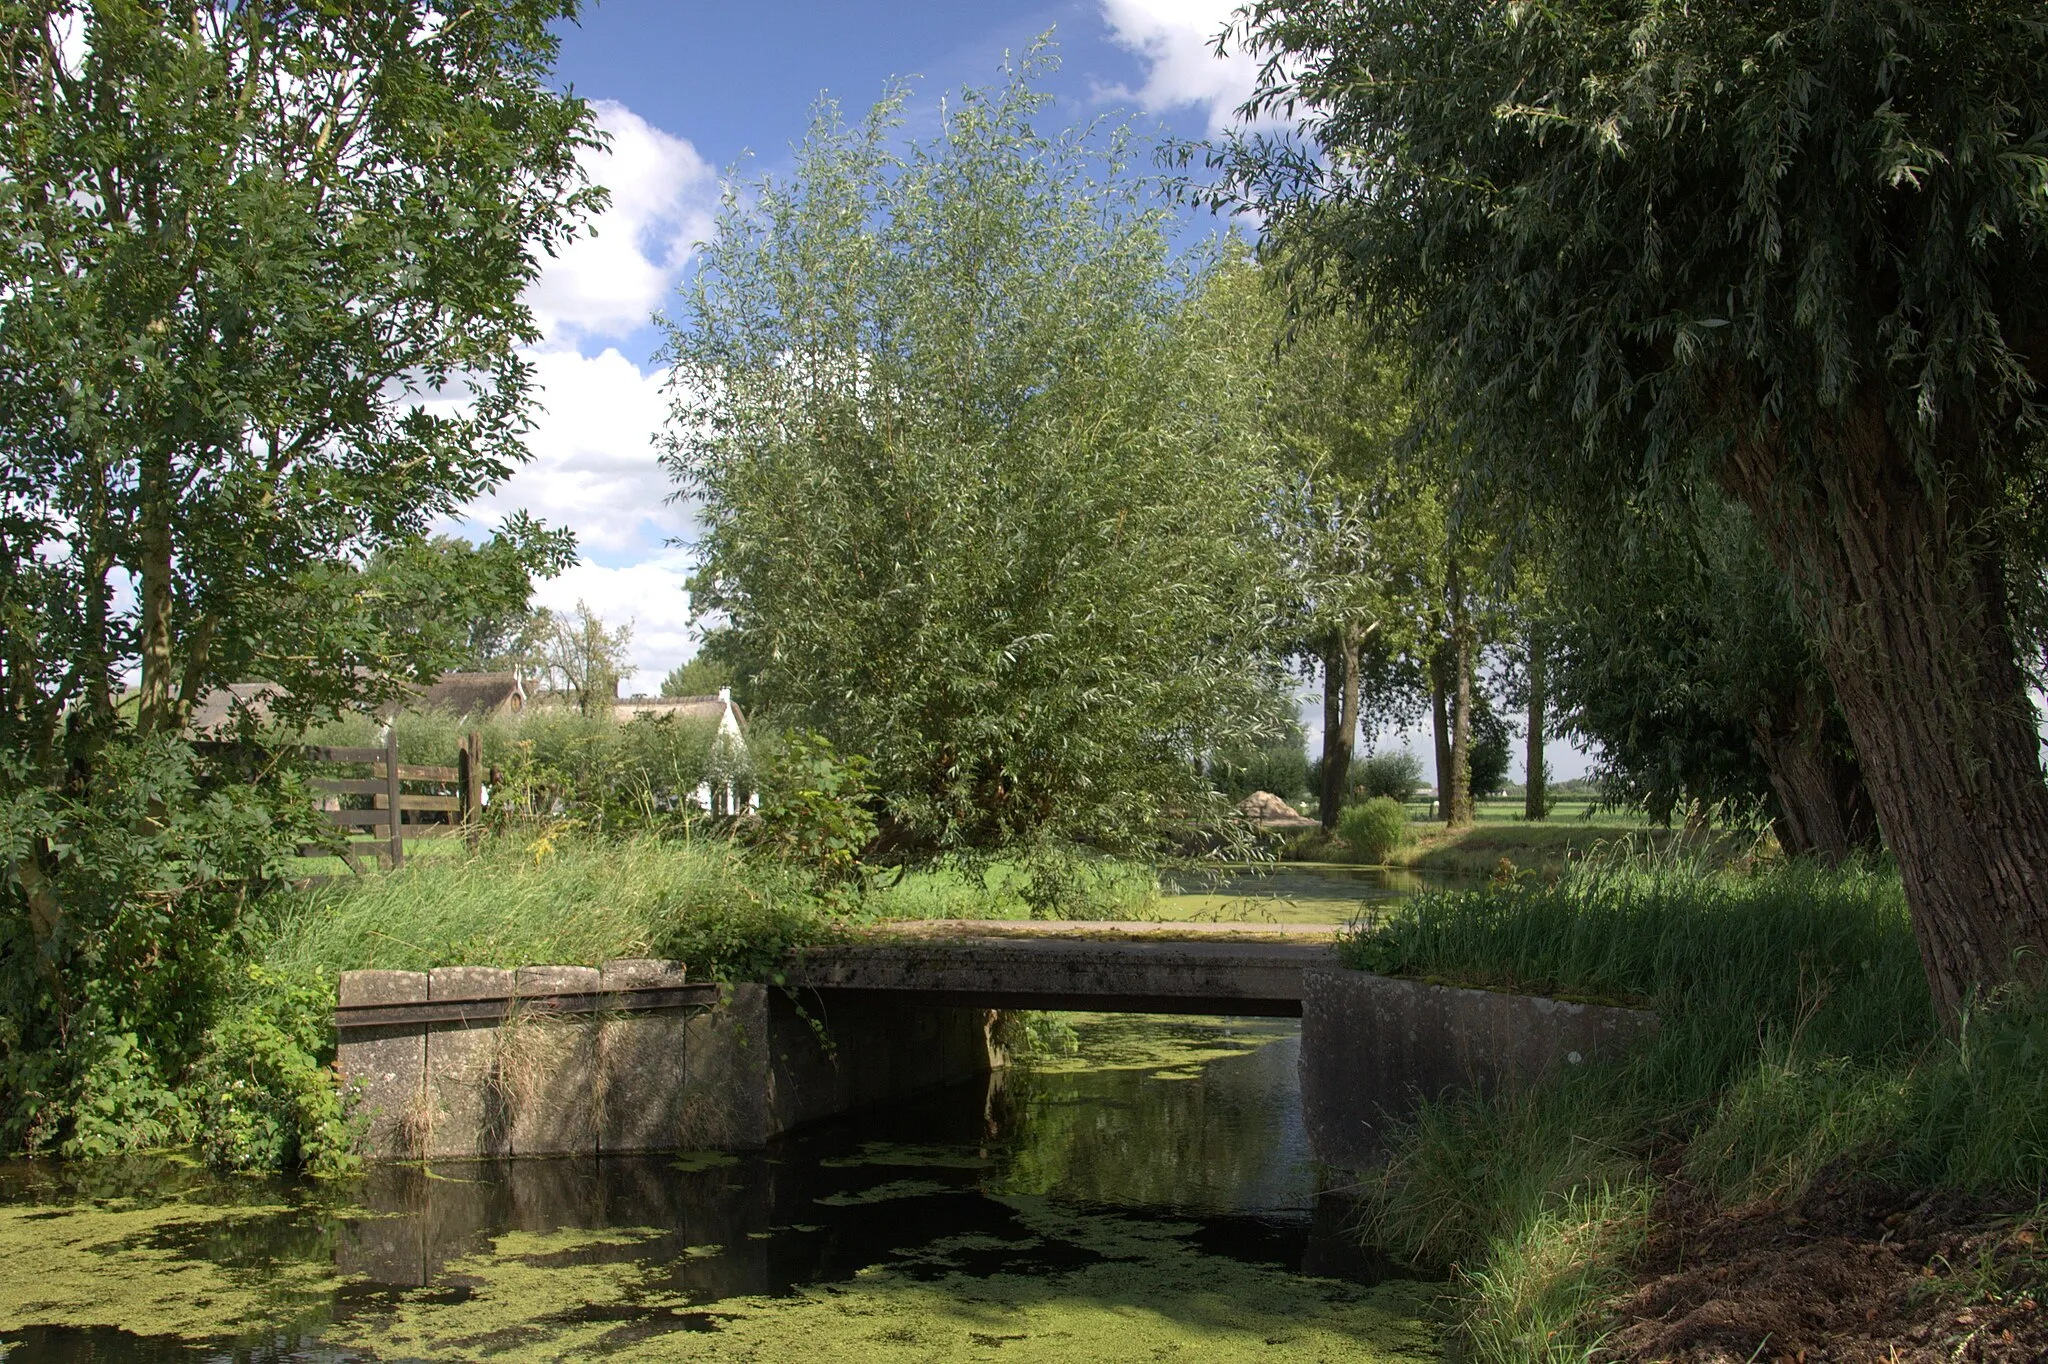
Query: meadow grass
(573, 901)
(1796, 1035)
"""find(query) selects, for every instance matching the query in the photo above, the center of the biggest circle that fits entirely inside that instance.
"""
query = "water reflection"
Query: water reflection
(1156, 1183)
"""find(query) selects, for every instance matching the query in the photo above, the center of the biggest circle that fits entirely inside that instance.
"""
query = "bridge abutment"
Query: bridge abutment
(466, 1063)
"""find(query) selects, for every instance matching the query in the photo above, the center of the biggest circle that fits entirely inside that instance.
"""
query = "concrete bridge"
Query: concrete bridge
(1153, 968)
(469, 1062)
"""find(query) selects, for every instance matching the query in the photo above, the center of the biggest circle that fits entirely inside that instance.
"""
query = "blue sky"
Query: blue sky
(686, 93)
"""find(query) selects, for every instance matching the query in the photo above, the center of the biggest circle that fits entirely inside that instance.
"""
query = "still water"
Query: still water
(1148, 1197)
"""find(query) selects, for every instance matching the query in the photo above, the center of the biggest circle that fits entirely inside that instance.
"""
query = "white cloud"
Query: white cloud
(651, 595)
(662, 193)
(594, 467)
(1175, 39)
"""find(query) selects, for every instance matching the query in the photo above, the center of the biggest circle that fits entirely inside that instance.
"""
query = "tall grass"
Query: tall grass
(550, 761)
(1796, 1034)
(576, 901)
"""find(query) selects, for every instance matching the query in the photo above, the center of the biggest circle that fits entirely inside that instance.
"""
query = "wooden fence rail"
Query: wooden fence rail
(450, 810)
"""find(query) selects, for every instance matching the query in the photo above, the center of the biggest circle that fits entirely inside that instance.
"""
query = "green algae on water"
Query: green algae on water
(1147, 1294)
(142, 1267)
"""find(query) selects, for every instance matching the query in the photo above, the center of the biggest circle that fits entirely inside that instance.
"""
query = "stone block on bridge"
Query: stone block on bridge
(387, 1066)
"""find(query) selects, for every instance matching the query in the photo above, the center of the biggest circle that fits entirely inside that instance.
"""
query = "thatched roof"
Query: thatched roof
(478, 694)
(713, 708)
(217, 709)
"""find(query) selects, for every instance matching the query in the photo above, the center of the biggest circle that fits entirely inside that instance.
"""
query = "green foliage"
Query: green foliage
(449, 604)
(1062, 882)
(980, 495)
(1372, 829)
(1393, 773)
(117, 951)
(701, 676)
(815, 811)
(1279, 766)
(1492, 747)
(1699, 185)
(1680, 657)
(264, 1095)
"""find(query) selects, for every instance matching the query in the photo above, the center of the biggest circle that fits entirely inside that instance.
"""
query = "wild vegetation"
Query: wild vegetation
(1797, 1039)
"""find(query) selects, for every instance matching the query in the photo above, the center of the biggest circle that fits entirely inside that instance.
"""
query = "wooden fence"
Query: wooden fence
(406, 801)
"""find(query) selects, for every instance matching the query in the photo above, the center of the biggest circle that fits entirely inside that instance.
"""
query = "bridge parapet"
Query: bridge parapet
(1259, 978)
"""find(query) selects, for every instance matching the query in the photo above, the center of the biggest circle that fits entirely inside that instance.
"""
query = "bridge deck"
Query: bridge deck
(1244, 969)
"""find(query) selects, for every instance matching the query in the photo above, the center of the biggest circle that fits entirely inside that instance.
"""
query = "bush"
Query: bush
(1393, 774)
(264, 1094)
(1371, 830)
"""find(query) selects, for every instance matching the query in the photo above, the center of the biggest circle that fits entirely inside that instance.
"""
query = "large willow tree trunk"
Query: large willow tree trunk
(1823, 805)
(1907, 594)
(1458, 801)
(1440, 721)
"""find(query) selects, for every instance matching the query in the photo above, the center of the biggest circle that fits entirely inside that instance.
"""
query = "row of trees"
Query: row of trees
(1691, 358)
(1788, 256)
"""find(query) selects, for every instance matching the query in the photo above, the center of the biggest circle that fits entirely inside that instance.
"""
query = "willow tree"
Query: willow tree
(1800, 246)
(978, 497)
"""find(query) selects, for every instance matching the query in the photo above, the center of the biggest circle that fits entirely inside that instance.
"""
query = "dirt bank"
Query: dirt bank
(1852, 1272)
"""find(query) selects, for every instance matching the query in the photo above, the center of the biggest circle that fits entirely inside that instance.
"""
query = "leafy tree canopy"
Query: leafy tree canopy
(260, 323)
(447, 603)
(979, 502)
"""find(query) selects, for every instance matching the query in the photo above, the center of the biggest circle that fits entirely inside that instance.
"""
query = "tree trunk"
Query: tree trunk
(1440, 717)
(1536, 800)
(1340, 723)
(154, 708)
(1458, 805)
(1906, 593)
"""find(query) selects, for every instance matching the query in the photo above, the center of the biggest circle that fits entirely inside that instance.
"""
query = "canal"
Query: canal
(1138, 1189)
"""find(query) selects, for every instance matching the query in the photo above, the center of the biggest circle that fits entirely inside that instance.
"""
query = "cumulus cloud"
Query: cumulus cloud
(1174, 38)
(662, 195)
(594, 467)
(651, 595)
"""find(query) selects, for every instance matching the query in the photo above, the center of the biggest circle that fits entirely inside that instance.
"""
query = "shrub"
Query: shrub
(1394, 774)
(1371, 830)
(815, 815)
(264, 1094)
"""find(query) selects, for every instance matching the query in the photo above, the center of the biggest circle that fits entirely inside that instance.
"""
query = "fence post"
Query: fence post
(470, 771)
(394, 789)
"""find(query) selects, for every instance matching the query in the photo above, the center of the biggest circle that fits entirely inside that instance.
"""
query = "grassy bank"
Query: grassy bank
(1797, 1040)
(1500, 840)
(573, 902)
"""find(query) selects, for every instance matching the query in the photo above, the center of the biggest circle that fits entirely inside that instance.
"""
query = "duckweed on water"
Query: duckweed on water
(1150, 1294)
(1066, 1212)
(145, 1267)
